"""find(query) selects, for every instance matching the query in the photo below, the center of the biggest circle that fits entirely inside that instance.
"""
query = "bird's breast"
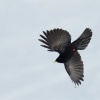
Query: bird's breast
(67, 54)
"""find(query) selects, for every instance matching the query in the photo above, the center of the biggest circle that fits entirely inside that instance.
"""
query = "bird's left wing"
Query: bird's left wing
(56, 40)
(74, 68)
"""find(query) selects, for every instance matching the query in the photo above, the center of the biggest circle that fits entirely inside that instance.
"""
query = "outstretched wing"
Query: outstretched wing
(56, 40)
(83, 41)
(74, 68)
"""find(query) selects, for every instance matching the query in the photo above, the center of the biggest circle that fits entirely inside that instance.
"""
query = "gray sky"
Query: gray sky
(26, 69)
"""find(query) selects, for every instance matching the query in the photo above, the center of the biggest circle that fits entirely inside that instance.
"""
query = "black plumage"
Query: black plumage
(59, 40)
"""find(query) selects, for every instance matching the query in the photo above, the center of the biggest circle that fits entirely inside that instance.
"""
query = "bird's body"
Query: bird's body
(60, 41)
(67, 54)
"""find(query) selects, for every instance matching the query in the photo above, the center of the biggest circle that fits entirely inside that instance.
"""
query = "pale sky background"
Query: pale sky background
(27, 71)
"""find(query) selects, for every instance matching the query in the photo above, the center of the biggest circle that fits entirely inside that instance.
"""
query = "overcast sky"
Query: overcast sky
(27, 71)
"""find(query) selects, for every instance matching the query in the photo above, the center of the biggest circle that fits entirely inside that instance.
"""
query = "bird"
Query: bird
(59, 40)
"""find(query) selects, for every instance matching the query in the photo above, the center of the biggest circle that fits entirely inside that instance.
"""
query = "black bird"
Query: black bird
(59, 40)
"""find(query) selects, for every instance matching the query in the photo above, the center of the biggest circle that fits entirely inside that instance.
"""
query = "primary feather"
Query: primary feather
(56, 40)
(74, 67)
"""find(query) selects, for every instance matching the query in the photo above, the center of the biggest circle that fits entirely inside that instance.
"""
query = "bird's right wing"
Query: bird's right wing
(56, 40)
(74, 68)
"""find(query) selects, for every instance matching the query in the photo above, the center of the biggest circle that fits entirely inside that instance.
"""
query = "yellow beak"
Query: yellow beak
(54, 61)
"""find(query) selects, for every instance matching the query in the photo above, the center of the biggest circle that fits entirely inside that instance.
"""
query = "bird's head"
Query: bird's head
(59, 60)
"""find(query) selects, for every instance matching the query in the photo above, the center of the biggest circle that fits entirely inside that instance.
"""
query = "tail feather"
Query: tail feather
(83, 41)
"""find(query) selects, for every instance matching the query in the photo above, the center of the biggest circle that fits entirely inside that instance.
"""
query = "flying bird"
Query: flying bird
(59, 40)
